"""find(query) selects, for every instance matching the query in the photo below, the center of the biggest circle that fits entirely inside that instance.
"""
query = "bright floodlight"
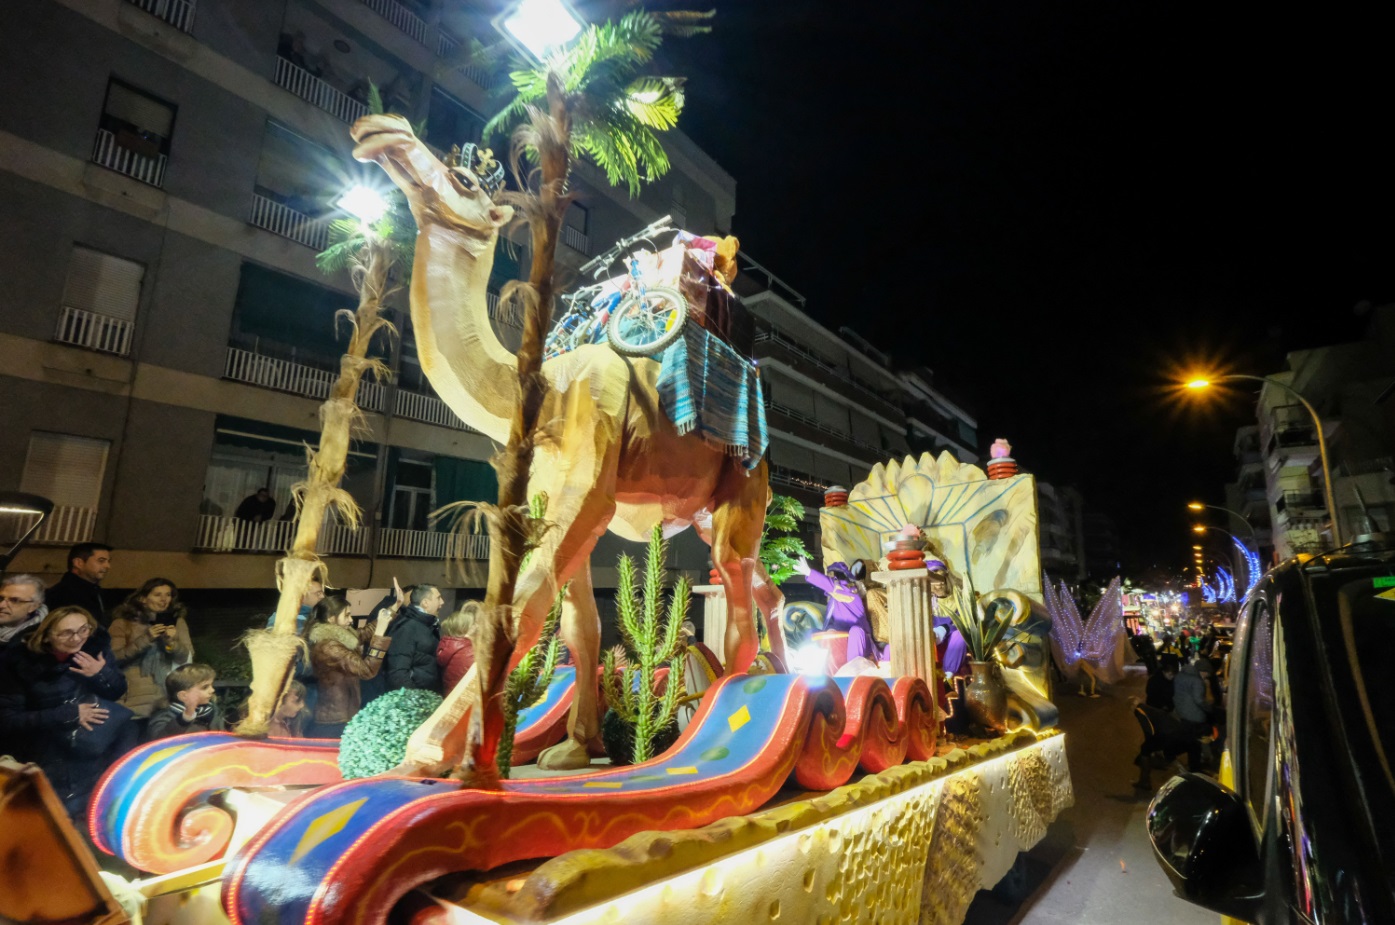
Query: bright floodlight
(363, 203)
(1199, 384)
(538, 25)
(811, 659)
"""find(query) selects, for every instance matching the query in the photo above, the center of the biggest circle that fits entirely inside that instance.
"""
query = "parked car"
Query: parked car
(1299, 830)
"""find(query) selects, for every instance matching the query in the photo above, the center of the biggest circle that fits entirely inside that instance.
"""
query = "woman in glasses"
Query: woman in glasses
(54, 695)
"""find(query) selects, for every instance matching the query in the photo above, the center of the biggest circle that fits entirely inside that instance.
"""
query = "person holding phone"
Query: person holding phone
(150, 637)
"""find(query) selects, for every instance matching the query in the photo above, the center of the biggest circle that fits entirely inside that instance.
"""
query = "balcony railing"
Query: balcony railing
(799, 349)
(577, 240)
(65, 526)
(399, 16)
(123, 160)
(448, 45)
(510, 316)
(1302, 501)
(318, 93)
(428, 409)
(876, 451)
(178, 13)
(288, 223)
(297, 378)
(94, 331)
(229, 534)
(428, 544)
(797, 479)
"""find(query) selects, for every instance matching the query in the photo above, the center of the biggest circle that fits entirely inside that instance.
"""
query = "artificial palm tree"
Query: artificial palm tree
(587, 100)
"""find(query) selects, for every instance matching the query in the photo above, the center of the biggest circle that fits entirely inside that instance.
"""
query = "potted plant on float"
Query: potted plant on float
(985, 696)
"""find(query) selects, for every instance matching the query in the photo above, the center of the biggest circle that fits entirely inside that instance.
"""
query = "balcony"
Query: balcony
(510, 315)
(94, 331)
(296, 378)
(428, 409)
(428, 544)
(315, 91)
(229, 534)
(877, 453)
(110, 154)
(401, 17)
(447, 46)
(796, 355)
(795, 479)
(577, 240)
(288, 223)
(65, 526)
(178, 13)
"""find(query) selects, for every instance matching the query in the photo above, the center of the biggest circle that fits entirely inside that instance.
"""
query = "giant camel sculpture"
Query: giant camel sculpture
(607, 456)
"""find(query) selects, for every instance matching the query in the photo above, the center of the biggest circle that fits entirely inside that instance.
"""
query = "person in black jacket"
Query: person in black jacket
(411, 659)
(81, 585)
(48, 691)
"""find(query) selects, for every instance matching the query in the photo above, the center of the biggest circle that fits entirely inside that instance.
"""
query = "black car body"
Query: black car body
(1305, 833)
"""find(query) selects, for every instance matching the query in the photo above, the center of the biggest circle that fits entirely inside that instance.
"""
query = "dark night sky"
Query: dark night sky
(1054, 204)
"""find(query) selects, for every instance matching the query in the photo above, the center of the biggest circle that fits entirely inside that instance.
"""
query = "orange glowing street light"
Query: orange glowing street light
(1200, 383)
(1199, 529)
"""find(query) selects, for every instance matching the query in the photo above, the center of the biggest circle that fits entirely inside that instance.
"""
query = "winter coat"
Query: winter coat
(411, 659)
(72, 591)
(169, 721)
(146, 664)
(1189, 695)
(455, 655)
(39, 697)
(337, 654)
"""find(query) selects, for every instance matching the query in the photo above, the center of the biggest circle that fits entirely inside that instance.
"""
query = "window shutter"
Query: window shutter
(65, 469)
(103, 284)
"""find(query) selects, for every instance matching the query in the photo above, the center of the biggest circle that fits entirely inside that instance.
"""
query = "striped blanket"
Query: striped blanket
(706, 386)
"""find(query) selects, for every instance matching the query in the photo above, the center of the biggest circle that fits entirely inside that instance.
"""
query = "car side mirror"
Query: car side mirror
(1202, 836)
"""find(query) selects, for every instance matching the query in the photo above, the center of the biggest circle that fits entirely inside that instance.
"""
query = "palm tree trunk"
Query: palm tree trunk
(510, 531)
(274, 650)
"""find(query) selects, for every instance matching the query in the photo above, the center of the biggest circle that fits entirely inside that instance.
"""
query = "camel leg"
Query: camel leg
(581, 631)
(770, 601)
(738, 516)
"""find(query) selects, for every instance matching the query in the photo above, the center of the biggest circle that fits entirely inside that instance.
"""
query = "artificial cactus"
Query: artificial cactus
(528, 682)
(652, 639)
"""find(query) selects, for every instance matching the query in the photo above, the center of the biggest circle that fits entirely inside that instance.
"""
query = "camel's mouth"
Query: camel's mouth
(372, 146)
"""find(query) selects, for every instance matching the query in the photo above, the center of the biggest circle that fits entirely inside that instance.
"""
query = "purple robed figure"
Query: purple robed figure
(952, 648)
(846, 612)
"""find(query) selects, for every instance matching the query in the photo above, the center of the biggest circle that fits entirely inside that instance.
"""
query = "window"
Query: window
(578, 218)
(133, 136)
(1259, 710)
(68, 471)
(575, 232)
(450, 122)
(99, 301)
(411, 495)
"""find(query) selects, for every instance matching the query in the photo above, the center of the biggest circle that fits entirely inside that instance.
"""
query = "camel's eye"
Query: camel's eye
(465, 180)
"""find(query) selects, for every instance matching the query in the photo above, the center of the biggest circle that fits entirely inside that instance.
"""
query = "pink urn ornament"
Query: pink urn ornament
(1001, 465)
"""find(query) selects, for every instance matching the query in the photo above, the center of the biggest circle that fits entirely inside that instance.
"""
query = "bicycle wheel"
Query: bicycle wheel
(642, 327)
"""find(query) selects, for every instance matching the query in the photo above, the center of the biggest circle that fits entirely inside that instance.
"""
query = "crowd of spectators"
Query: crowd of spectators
(81, 686)
(1183, 712)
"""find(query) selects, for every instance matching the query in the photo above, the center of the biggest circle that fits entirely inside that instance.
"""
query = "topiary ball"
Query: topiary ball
(375, 740)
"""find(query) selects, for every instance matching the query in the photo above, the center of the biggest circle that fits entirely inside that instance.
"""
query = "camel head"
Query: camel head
(450, 197)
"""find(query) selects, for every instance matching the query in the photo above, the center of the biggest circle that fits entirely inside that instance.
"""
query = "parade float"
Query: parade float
(831, 795)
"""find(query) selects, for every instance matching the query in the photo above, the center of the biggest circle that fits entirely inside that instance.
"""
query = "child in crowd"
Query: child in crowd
(191, 705)
(289, 719)
(456, 653)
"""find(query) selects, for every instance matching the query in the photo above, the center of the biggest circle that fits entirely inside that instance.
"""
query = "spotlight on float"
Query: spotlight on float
(812, 660)
(363, 203)
(539, 25)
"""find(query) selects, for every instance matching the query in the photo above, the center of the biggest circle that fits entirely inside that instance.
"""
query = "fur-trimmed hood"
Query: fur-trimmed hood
(333, 632)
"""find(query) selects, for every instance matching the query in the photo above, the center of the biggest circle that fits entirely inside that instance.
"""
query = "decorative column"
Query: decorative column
(714, 618)
(912, 629)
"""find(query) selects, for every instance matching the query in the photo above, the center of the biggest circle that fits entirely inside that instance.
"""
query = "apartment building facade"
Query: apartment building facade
(170, 169)
(1061, 524)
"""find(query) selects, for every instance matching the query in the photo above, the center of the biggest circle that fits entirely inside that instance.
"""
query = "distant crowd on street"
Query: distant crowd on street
(1183, 712)
(80, 685)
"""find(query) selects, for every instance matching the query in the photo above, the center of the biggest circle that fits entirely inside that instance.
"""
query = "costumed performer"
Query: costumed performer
(846, 611)
(950, 643)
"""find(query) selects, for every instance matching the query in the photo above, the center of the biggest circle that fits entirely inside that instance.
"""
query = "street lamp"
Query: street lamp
(538, 25)
(1198, 506)
(1201, 383)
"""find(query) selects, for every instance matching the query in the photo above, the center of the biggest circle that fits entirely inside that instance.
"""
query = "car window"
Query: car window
(1259, 712)
(1366, 614)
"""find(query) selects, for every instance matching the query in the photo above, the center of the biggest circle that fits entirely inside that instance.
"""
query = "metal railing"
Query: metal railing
(65, 526)
(287, 376)
(288, 223)
(229, 534)
(94, 331)
(800, 416)
(795, 347)
(772, 282)
(577, 240)
(448, 45)
(428, 409)
(123, 160)
(428, 544)
(511, 316)
(797, 479)
(1367, 466)
(318, 93)
(1302, 501)
(178, 13)
(399, 16)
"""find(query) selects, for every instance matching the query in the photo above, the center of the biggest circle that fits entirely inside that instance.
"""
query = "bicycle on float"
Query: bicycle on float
(638, 320)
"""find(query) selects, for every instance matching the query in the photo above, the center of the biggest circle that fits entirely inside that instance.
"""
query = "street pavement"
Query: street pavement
(1095, 866)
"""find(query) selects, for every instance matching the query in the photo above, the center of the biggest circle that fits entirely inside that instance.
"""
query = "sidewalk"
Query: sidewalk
(1096, 866)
